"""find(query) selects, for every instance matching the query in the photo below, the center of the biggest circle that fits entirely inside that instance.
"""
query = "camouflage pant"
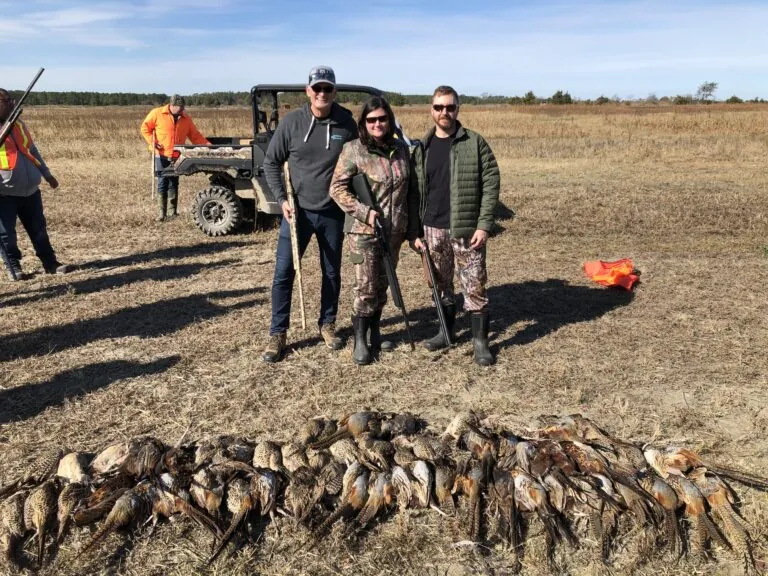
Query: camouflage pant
(455, 254)
(370, 290)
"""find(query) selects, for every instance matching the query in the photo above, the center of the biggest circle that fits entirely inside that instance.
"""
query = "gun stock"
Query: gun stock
(17, 109)
(363, 191)
(430, 266)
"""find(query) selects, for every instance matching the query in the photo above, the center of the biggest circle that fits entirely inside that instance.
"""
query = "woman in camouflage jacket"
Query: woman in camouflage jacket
(385, 161)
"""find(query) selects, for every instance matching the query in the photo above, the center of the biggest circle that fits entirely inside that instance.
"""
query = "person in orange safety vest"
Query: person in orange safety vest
(21, 170)
(163, 128)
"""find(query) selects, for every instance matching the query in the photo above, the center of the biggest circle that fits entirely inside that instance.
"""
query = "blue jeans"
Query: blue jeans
(166, 185)
(29, 210)
(328, 226)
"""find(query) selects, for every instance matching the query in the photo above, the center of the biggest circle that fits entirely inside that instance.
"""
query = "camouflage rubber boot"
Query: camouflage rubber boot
(480, 323)
(361, 354)
(375, 340)
(173, 202)
(438, 341)
(162, 204)
(274, 350)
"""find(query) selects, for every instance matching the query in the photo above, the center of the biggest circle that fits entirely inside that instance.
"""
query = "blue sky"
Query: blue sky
(624, 48)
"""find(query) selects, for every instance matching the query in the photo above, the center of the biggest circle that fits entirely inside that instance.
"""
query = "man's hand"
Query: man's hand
(479, 238)
(287, 212)
(372, 215)
(158, 146)
(52, 182)
(417, 245)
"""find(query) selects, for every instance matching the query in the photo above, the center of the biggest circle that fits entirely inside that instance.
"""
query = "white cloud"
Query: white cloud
(621, 48)
(74, 17)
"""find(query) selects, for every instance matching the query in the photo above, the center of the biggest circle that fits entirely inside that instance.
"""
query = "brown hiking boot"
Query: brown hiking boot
(328, 332)
(274, 350)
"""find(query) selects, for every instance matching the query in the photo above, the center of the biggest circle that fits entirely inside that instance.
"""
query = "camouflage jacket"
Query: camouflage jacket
(392, 185)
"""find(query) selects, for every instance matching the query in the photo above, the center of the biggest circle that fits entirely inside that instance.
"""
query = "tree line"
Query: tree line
(704, 94)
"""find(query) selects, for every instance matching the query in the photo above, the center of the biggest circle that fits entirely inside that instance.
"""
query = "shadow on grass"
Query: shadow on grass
(146, 321)
(548, 305)
(91, 285)
(27, 401)
(194, 250)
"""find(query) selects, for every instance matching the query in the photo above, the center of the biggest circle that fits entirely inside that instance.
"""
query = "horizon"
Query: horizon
(625, 49)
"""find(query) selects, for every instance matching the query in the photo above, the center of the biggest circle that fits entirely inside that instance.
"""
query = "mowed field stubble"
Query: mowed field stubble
(161, 328)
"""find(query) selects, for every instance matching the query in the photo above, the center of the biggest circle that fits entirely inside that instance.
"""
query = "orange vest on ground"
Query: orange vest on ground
(159, 125)
(19, 140)
(620, 273)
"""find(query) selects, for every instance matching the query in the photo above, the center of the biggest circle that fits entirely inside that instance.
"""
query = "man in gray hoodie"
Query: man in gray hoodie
(21, 169)
(310, 140)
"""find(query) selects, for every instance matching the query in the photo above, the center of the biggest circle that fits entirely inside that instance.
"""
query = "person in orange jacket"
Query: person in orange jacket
(163, 128)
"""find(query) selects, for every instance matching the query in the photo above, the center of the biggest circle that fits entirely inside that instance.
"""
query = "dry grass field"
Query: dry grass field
(160, 328)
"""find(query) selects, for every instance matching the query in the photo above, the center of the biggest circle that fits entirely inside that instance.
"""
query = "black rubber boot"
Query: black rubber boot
(438, 341)
(162, 203)
(480, 322)
(361, 354)
(172, 206)
(377, 343)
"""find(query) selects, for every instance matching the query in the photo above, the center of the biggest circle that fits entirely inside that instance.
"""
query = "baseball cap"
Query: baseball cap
(322, 74)
(177, 100)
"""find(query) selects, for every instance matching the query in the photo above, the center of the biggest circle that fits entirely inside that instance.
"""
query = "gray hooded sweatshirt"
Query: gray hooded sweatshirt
(25, 177)
(311, 146)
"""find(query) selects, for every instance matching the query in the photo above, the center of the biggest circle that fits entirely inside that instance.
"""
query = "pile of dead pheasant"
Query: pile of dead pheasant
(343, 477)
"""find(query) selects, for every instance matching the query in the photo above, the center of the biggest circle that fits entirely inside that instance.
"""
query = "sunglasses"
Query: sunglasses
(447, 107)
(324, 89)
(373, 119)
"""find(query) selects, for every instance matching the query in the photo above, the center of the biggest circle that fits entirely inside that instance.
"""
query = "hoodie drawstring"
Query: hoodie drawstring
(311, 125)
(327, 132)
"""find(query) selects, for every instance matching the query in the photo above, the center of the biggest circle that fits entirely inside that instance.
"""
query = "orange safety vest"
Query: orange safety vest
(19, 140)
(621, 273)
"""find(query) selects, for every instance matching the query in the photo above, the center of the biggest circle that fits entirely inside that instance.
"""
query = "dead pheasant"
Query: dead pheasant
(73, 467)
(502, 499)
(12, 525)
(720, 499)
(260, 493)
(129, 509)
(352, 426)
(69, 498)
(39, 472)
(39, 512)
(676, 460)
(702, 526)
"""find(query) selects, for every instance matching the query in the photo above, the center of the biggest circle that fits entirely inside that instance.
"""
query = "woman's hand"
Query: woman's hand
(372, 215)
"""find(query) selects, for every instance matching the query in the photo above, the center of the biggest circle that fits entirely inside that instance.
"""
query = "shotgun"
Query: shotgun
(17, 109)
(363, 191)
(429, 264)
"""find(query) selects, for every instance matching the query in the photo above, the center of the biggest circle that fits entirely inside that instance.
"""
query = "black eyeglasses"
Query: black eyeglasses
(447, 107)
(373, 119)
(325, 89)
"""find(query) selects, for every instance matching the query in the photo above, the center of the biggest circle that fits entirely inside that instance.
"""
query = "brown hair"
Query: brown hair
(444, 91)
(374, 103)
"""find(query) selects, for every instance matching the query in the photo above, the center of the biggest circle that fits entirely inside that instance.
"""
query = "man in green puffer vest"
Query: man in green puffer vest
(458, 181)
